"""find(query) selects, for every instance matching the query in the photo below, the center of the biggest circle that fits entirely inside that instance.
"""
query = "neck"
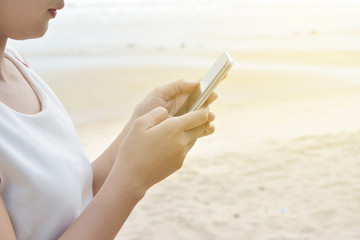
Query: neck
(3, 41)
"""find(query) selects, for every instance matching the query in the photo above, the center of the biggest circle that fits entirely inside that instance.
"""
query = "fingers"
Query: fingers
(152, 118)
(202, 130)
(190, 126)
(208, 131)
(211, 117)
(194, 119)
(205, 128)
(195, 133)
(213, 96)
(198, 132)
(176, 88)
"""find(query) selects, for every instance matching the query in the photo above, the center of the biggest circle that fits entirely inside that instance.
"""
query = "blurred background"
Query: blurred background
(284, 162)
(109, 27)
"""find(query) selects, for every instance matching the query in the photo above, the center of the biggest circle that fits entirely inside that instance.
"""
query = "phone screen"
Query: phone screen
(207, 84)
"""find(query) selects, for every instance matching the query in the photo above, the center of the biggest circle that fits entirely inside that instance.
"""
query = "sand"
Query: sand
(284, 162)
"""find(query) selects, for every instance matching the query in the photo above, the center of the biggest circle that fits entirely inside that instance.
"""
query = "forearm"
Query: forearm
(102, 166)
(107, 212)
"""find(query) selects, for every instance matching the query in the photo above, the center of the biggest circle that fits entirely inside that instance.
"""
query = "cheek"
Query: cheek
(26, 25)
(23, 19)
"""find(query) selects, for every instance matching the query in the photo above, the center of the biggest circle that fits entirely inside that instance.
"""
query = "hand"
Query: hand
(170, 96)
(156, 146)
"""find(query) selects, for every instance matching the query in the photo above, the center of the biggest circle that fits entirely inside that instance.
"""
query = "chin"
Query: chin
(34, 33)
(39, 33)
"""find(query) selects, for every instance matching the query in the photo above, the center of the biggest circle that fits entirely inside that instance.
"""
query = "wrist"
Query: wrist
(127, 183)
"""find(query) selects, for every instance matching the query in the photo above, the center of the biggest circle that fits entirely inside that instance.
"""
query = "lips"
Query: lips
(53, 11)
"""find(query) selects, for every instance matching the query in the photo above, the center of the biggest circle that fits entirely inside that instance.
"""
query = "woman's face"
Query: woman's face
(23, 19)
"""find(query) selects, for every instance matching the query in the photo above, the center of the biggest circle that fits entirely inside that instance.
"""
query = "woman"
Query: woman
(48, 189)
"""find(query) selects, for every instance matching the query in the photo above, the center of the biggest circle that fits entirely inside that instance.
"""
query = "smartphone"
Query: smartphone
(207, 84)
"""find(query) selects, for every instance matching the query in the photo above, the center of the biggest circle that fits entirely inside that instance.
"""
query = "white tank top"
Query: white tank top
(46, 178)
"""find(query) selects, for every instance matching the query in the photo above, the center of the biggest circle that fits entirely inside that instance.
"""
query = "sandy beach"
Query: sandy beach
(284, 162)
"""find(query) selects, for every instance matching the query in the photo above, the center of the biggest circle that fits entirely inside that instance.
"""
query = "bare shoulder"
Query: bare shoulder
(16, 92)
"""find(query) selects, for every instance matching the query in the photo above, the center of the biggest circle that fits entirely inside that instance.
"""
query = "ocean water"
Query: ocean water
(110, 26)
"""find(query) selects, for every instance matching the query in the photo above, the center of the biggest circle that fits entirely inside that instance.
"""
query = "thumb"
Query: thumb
(152, 118)
(176, 88)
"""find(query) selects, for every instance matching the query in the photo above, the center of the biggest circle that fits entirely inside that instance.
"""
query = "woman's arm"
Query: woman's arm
(6, 228)
(101, 167)
(154, 148)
